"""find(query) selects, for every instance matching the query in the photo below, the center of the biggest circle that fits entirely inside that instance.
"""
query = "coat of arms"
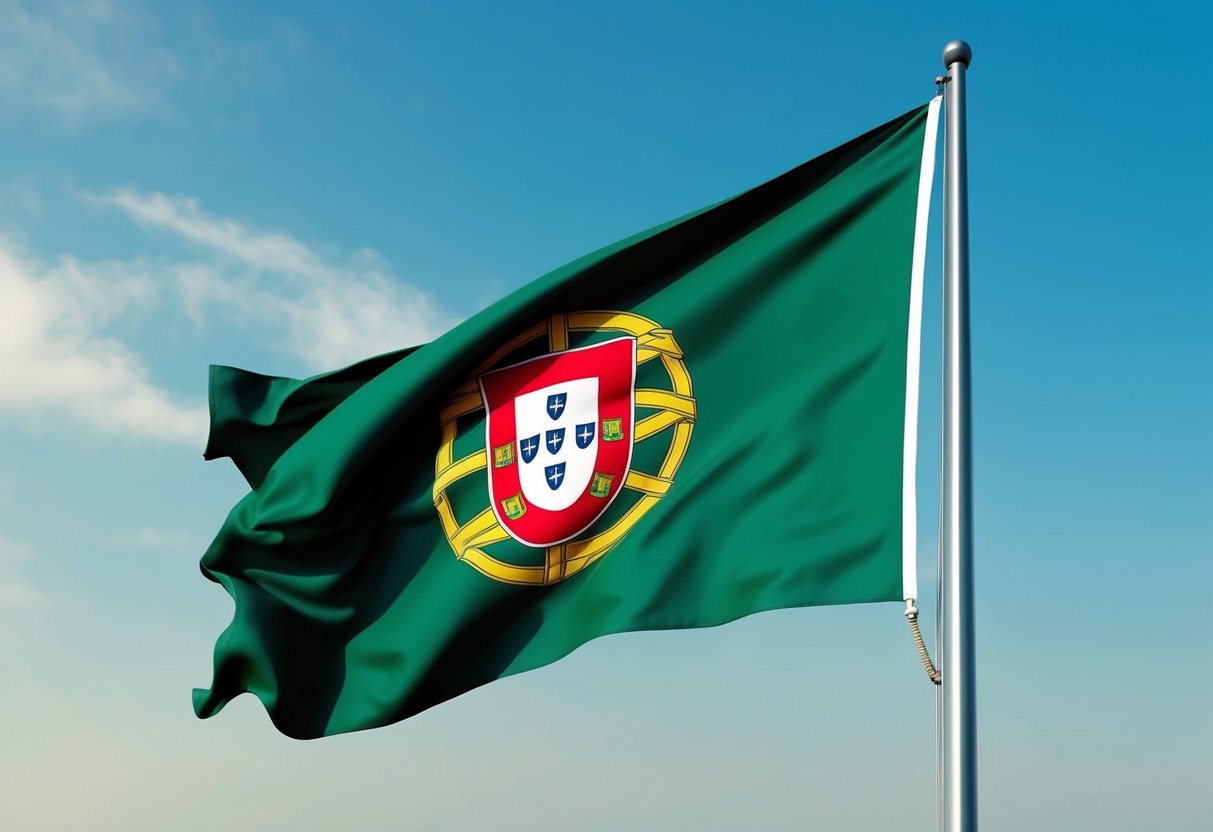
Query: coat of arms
(562, 426)
(536, 475)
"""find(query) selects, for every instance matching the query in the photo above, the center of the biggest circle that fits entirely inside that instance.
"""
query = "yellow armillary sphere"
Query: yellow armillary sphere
(664, 412)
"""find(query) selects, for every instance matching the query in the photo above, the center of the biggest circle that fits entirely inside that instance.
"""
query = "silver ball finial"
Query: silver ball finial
(957, 51)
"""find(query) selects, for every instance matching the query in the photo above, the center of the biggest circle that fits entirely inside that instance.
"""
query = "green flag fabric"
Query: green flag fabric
(712, 418)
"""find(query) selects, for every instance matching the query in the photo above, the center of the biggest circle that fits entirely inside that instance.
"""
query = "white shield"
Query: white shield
(534, 417)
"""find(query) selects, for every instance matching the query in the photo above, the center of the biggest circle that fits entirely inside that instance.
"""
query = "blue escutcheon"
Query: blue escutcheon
(529, 447)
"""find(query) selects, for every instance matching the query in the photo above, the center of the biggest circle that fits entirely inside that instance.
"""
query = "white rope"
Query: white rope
(928, 665)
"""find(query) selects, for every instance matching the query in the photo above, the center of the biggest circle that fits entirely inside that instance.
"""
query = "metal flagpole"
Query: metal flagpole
(958, 720)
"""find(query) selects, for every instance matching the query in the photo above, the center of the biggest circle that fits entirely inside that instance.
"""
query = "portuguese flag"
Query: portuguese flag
(711, 418)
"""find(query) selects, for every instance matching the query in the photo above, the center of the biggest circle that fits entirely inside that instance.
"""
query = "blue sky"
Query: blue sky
(295, 186)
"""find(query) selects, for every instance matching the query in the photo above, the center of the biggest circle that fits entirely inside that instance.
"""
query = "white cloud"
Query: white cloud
(59, 356)
(13, 589)
(55, 359)
(332, 313)
(93, 61)
(89, 60)
(182, 215)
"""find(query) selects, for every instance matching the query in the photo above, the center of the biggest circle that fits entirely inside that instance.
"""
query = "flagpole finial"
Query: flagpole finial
(957, 51)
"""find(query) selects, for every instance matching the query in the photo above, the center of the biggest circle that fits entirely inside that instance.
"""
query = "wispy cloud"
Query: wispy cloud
(93, 61)
(55, 357)
(14, 590)
(332, 311)
(89, 60)
(61, 357)
(184, 216)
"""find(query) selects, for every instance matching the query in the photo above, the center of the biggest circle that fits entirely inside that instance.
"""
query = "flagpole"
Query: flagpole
(958, 720)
